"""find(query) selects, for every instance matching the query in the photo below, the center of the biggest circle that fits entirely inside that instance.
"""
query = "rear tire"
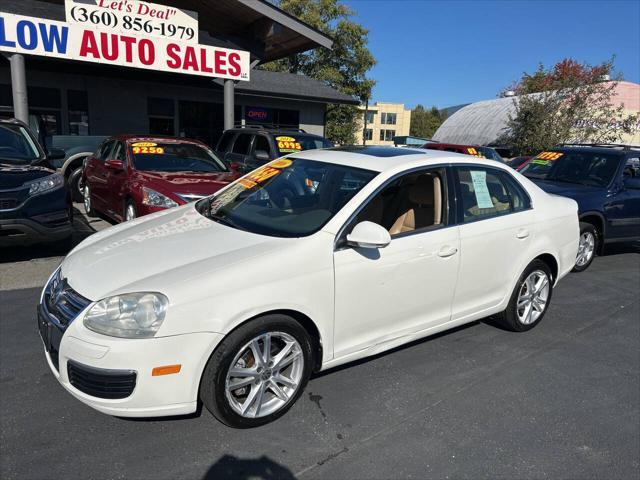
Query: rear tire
(530, 298)
(588, 246)
(240, 370)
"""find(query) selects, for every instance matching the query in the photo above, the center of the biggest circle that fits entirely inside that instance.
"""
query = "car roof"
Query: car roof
(272, 131)
(152, 138)
(589, 149)
(381, 159)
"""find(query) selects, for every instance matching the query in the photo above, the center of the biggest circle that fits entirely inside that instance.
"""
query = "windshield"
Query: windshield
(296, 142)
(174, 157)
(16, 145)
(585, 168)
(287, 197)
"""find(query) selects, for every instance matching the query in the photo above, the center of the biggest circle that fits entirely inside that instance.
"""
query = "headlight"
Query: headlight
(131, 315)
(47, 183)
(155, 199)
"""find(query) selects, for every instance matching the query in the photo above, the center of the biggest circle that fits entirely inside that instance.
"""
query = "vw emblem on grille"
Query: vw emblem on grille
(57, 289)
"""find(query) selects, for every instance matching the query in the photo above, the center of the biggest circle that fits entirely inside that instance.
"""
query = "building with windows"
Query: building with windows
(383, 122)
(68, 97)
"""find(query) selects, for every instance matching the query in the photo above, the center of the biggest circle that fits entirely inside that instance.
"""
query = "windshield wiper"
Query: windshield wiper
(224, 221)
(564, 180)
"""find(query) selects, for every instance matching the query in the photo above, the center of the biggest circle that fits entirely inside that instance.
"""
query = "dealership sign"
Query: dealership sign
(91, 43)
(138, 17)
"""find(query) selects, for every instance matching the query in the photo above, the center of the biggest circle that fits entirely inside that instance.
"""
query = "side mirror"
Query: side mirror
(632, 182)
(56, 154)
(235, 167)
(262, 155)
(368, 235)
(116, 165)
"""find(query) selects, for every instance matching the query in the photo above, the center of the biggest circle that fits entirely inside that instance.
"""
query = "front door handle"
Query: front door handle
(447, 251)
(522, 233)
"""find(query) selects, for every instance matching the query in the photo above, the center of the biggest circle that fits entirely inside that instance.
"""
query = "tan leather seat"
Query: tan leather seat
(425, 198)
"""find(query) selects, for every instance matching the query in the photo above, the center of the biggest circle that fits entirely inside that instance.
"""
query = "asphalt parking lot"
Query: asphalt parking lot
(561, 401)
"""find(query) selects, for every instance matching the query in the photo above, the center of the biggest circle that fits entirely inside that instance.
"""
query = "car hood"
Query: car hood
(156, 252)
(14, 176)
(570, 190)
(187, 182)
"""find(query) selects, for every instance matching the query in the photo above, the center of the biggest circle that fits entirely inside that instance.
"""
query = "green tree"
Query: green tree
(424, 123)
(570, 102)
(344, 67)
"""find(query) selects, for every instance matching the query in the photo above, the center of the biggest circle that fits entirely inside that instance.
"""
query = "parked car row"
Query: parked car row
(131, 176)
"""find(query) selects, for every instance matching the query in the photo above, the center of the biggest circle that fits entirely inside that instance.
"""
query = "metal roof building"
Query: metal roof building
(483, 123)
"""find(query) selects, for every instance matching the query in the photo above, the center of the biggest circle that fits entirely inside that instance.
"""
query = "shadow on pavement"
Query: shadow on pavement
(263, 468)
(620, 248)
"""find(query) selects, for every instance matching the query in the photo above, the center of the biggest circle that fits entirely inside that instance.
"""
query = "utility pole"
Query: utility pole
(364, 130)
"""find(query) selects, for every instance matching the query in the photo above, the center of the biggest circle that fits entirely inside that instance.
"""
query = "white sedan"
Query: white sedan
(312, 261)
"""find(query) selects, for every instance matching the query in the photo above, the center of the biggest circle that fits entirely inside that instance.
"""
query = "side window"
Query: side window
(632, 167)
(104, 150)
(225, 142)
(119, 153)
(412, 202)
(517, 195)
(242, 144)
(261, 143)
(484, 195)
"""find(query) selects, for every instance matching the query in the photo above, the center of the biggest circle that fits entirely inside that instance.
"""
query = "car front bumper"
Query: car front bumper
(97, 369)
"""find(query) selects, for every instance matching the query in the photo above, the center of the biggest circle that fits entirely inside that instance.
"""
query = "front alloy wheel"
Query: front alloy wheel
(258, 371)
(264, 375)
(88, 208)
(586, 247)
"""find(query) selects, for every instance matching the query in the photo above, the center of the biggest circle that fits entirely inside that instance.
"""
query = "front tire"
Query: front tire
(257, 372)
(530, 298)
(587, 247)
(75, 185)
(88, 203)
(130, 212)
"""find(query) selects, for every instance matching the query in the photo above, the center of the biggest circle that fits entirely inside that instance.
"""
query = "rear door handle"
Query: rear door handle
(522, 233)
(447, 251)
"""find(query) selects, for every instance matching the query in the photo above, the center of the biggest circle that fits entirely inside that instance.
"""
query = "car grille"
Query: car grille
(62, 302)
(8, 203)
(101, 383)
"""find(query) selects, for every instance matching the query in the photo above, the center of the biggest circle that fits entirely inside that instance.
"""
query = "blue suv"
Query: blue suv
(604, 180)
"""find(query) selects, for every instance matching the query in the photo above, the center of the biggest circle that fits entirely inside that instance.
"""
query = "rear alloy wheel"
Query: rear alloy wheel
(130, 212)
(257, 372)
(586, 247)
(88, 206)
(529, 300)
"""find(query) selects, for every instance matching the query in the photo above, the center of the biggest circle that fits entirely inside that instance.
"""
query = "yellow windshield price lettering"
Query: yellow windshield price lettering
(148, 150)
(285, 139)
(549, 156)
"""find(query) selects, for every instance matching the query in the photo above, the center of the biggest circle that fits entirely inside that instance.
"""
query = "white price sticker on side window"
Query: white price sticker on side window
(480, 188)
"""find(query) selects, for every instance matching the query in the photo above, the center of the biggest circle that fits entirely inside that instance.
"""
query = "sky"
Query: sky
(445, 53)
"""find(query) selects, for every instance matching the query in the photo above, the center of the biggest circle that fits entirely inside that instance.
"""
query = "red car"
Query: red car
(475, 150)
(130, 176)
